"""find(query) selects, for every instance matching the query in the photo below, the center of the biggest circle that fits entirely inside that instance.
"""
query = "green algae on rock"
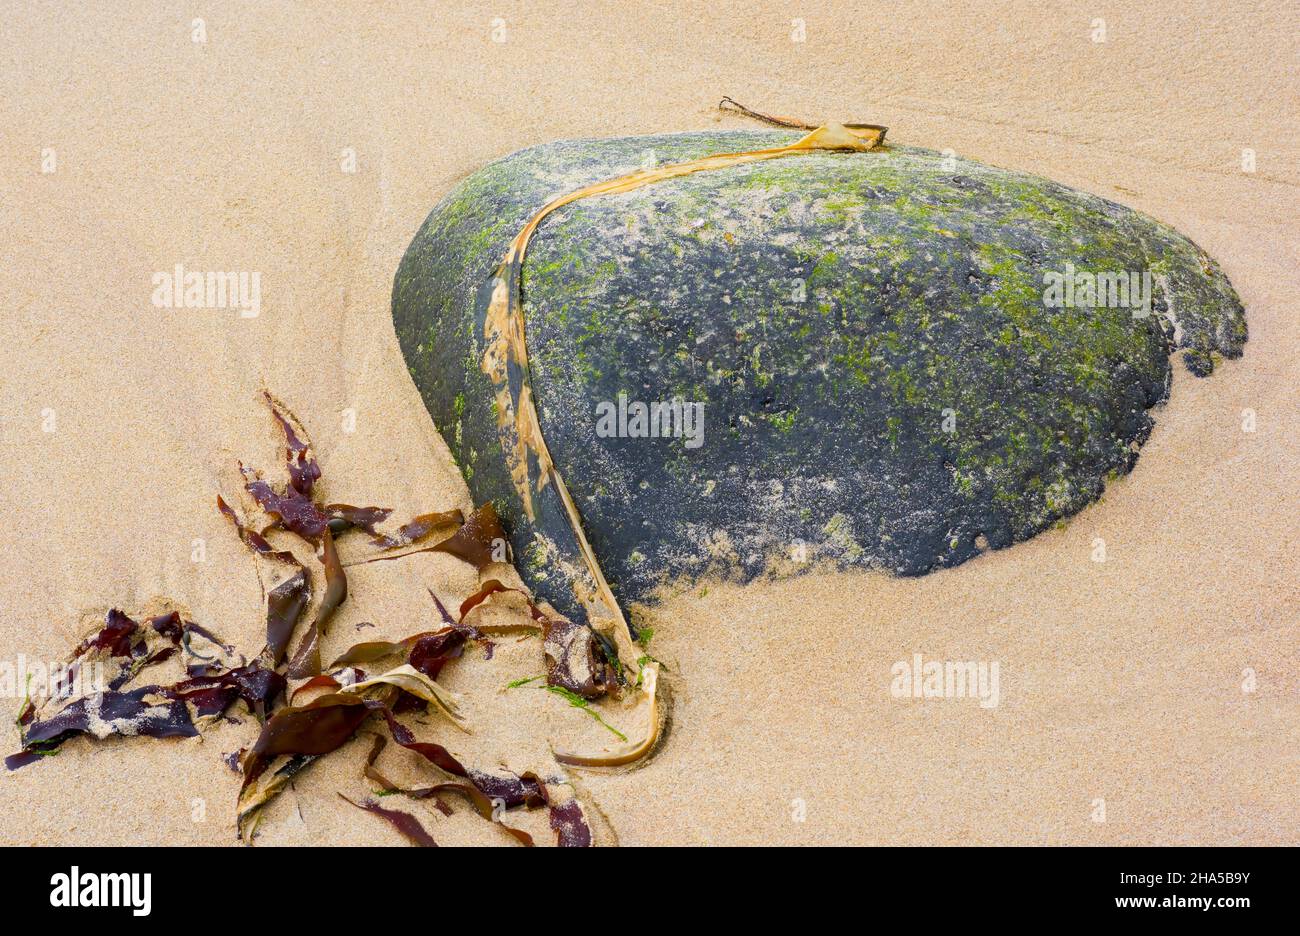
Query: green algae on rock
(894, 358)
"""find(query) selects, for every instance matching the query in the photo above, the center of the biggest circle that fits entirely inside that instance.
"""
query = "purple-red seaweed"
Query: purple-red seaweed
(293, 736)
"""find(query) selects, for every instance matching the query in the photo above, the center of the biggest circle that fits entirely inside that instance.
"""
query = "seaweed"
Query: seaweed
(255, 794)
(573, 699)
(304, 471)
(647, 684)
(579, 702)
(318, 727)
(509, 788)
(411, 681)
(373, 650)
(294, 736)
(302, 733)
(487, 590)
(480, 540)
(578, 660)
(330, 680)
(292, 510)
(287, 600)
(212, 695)
(123, 648)
(306, 662)
(570, 825)
(419, 528)
(432, 652)
(123, 712)
(404, 823)
(344, 517)
(295, 510)
(428, 651)
(472, 794)
(874, 133)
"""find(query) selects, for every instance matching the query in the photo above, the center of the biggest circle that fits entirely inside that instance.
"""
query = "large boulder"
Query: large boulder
(899, 357)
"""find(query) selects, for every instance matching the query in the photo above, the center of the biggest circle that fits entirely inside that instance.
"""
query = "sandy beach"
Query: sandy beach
(1153, 698)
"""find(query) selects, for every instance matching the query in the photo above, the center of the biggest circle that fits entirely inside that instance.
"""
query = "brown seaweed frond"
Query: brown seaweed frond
(874, 132)
(728, 104)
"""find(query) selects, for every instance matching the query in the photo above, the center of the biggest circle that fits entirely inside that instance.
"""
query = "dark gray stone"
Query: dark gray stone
(837, 314)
